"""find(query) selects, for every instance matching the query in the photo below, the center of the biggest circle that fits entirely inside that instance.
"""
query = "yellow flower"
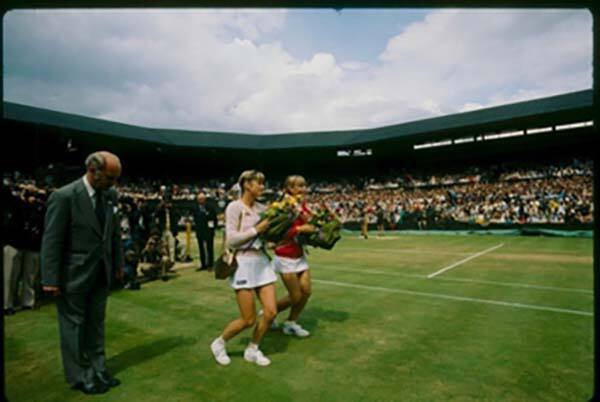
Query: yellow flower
(290, 200)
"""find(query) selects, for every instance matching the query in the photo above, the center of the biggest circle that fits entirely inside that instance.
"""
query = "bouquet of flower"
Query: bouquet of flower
(328, 230)
(282, 215)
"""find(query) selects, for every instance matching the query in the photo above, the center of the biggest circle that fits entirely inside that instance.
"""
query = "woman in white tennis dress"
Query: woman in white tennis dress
(254, 274)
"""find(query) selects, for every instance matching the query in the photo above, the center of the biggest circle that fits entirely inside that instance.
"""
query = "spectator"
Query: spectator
(13, 252)
(205, 220)
(155, 259)
(167, 224)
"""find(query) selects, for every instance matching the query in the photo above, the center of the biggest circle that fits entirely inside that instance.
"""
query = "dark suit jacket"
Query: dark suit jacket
(201, 218)
(74, 245)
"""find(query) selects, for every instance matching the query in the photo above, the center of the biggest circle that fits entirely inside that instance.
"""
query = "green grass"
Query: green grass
(394, 335)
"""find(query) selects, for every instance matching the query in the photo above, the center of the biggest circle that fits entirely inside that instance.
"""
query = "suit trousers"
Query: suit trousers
(206, 248)
(81, 319)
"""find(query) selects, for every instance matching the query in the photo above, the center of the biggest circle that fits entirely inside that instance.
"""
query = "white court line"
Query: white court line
(456, 298)
(433, 252)
(466, 280)
(517, 285)
(464, 260)
(404, 251)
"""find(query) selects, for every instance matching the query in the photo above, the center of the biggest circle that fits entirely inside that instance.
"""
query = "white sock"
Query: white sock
(253, 345)
(221, 340)
(289, 322)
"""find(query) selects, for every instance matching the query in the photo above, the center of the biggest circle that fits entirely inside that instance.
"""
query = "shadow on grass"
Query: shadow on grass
(313, 316)
(147, 279)
(142, 353)
(310, 319)
(316, 314)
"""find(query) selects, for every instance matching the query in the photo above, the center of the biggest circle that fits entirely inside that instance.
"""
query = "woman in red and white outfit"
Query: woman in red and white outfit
(290, 261)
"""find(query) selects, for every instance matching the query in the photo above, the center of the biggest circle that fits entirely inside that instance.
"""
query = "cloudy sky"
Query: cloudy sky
(275, 71)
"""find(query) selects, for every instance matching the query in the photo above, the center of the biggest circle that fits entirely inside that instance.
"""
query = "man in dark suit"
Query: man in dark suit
(205, 220)
(81, 254)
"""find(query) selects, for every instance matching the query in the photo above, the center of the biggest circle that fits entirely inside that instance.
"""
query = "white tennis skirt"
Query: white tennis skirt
(284, 265)
(253, 271)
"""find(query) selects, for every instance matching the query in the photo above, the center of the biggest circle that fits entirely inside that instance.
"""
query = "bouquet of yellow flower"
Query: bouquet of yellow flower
(282, 215)
(328, 230)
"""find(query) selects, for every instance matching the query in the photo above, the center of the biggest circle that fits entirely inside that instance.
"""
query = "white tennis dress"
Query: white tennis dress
(254, 268)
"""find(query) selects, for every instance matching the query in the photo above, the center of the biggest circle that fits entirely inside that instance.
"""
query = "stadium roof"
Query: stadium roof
(495, 116)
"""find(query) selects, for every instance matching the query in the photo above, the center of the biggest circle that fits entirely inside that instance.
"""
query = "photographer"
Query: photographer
(154, 258)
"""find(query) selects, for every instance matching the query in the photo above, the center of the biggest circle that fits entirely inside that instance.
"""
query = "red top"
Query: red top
(289, 247)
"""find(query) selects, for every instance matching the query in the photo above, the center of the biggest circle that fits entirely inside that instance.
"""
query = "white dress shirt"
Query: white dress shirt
(90, 190)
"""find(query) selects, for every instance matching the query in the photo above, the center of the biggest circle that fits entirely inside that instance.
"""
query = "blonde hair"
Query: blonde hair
(249, 175)
(291, 181)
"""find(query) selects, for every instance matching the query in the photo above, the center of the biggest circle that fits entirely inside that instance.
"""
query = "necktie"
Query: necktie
(100, 212)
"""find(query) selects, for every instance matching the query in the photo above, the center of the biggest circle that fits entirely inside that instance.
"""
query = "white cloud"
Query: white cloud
(478, 57)
(214, 71)
(354, 65)
(470, 106)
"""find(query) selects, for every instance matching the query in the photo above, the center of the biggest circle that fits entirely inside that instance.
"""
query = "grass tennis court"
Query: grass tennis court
(510, 324)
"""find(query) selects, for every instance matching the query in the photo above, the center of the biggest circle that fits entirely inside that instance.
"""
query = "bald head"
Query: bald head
(103, 169)
(112, 161)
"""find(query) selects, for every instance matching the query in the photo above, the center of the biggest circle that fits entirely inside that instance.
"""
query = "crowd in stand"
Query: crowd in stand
(559, 193)
(153, 213)
(539, 201)
(554, 195)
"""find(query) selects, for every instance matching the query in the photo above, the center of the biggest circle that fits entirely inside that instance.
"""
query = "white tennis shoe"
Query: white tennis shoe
(293, 328)
(254, 355)
(220, 353)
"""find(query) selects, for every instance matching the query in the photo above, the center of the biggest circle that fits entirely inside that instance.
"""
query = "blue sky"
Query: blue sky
(278, 71)
(350, 34)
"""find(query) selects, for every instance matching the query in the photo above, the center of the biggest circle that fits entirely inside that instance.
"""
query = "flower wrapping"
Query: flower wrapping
(282, 215)
(328, 230)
